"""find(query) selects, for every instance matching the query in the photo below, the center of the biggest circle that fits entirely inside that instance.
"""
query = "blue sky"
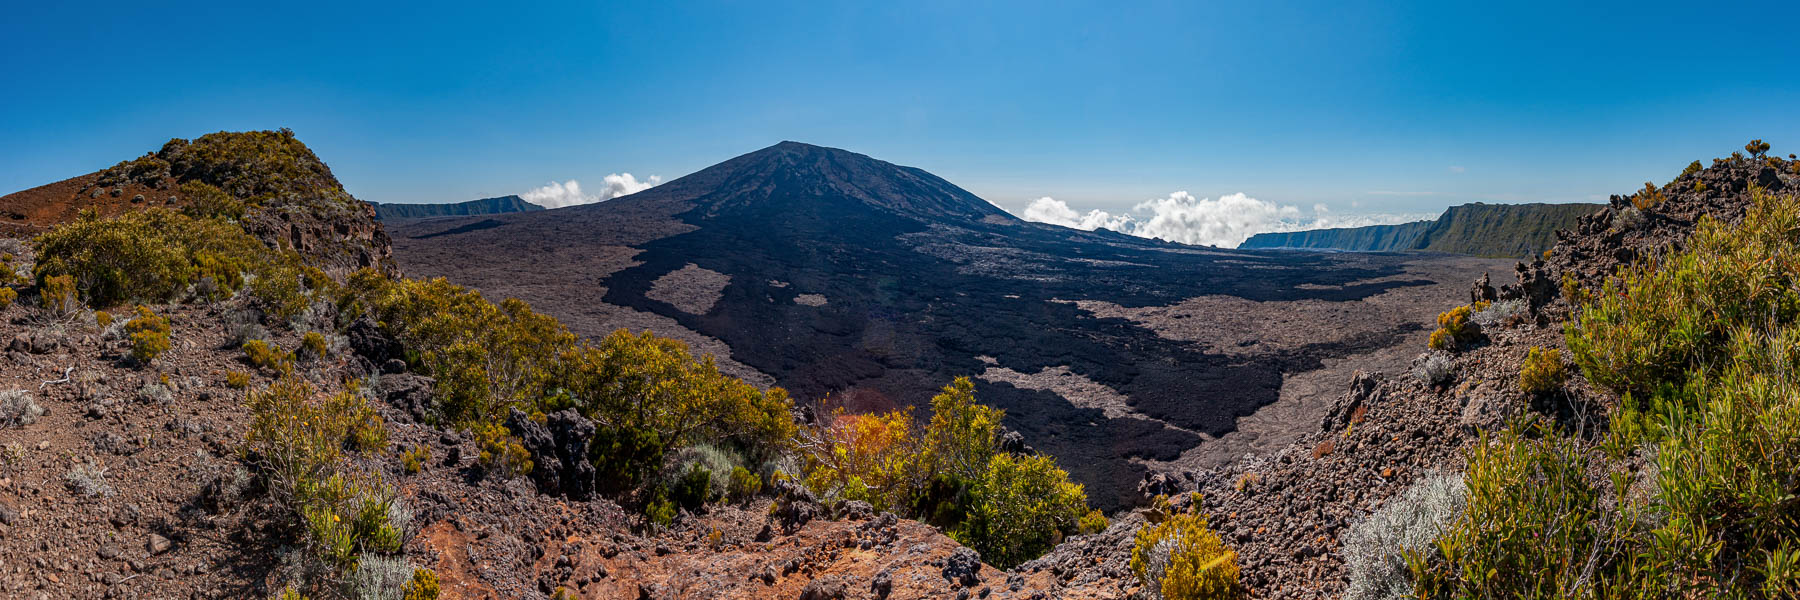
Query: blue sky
(1386, 107)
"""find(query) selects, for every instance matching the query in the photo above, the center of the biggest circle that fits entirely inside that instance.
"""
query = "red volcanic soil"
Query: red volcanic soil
(28, 212)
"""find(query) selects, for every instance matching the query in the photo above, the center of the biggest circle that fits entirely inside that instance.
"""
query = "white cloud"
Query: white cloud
(1457, 169)
(623, 184)
(1057, 212)
(1225, 222)
(569, 193)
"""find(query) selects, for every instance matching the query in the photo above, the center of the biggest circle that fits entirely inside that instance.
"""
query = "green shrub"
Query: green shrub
(144, 169)
(501, 453)
(237, 380)
(345, 518)
(1542, 371)
(266, 169)
(648, 395)
(7, 296)
(1181, 558)
(1701, 346)
(297, 442)
(951, 474)
(1022, 507)
(1647, 198)
(1093, 522)
(651, 397)
(1572, 291)
(149, 335)
(693, 489)
(424, 586)
(415, 459)
(963, 435)
(660, 511)
(1692, 168)
(744, 484)
(150, 255)
(1666, 316)
(270, 357)
(1727, 475)
(369, 433)
(279, 287)
(1530, 525)
(203, 201)
(1757, 148)
(486, 357)
(718, 463)
(59, 296)
(313, 345)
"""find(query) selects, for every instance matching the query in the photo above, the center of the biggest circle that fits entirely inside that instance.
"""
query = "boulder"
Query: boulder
(559, 451)
(794, 505)
(1161, 483)
(1364, 388)
(369, 341)
(1483, 290)
(410, 393)
(963, 568)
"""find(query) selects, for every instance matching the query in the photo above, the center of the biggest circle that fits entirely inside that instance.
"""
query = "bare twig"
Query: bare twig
(65, 377)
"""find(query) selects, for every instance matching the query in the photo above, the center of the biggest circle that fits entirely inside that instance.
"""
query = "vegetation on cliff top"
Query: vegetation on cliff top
(1688, 488)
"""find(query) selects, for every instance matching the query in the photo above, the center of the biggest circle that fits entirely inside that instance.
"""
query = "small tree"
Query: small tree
(1648, 197)
(1757, 148)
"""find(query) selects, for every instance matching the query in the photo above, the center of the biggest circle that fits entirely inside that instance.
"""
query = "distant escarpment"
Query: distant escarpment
(1493, 230)
(267, 181)
(484, 206)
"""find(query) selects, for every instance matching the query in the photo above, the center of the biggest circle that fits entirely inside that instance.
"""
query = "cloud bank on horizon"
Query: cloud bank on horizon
(569, 193)
(1225, 222)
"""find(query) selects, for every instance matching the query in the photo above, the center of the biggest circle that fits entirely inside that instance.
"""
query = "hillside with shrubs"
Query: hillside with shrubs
(199, 404)
(241, 415)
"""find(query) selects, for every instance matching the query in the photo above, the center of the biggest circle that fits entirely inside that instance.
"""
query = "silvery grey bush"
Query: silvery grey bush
(1499, 314)
(1374, 547)
(1434, 368)
(18, 408)
(1157, 565)
(378, 578)
(717, 462)
(89, 478)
